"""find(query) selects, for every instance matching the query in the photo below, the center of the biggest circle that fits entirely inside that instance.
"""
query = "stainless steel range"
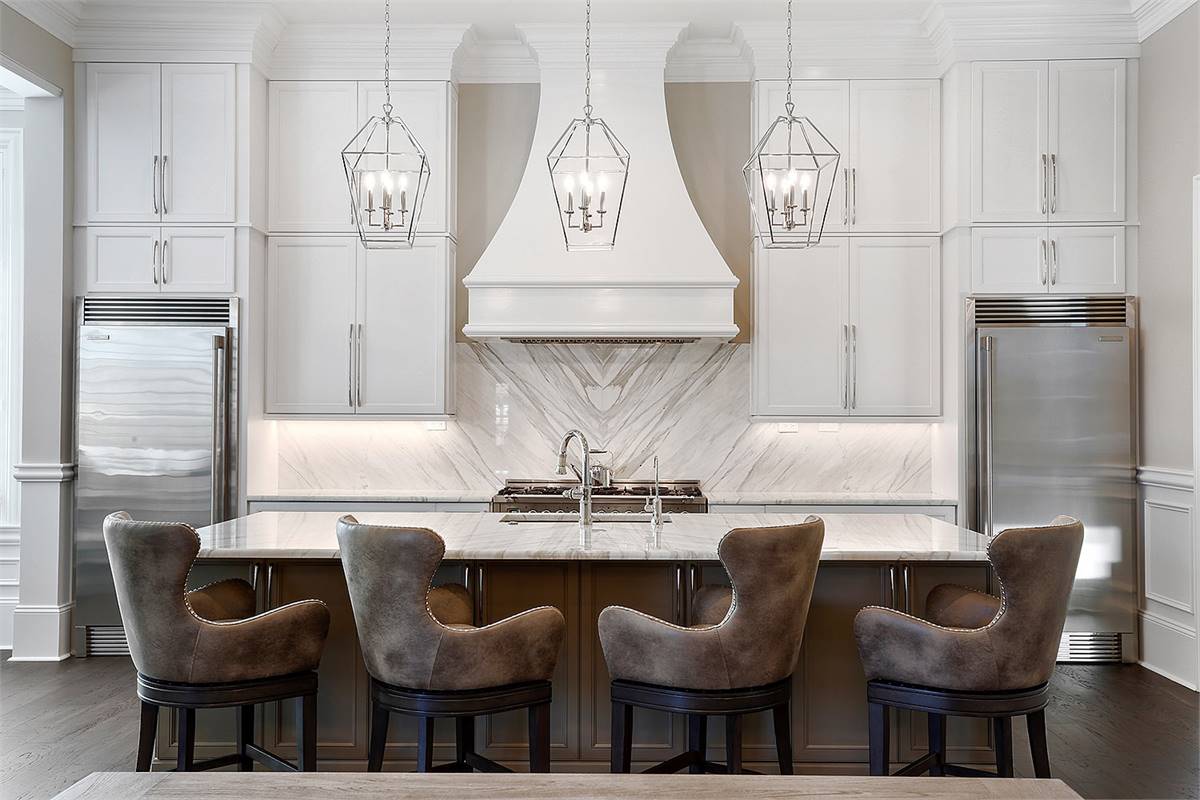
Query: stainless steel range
(678, 497)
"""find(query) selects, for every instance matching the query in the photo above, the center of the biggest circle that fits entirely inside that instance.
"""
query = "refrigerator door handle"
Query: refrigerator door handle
(220, 393)
(984, 378)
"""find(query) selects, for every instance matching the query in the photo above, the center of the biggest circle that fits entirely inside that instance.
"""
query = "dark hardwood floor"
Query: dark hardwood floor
(1115, 731)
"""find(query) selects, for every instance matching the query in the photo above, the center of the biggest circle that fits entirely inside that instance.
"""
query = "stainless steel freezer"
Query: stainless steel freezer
(1052, 391)
(155, 381)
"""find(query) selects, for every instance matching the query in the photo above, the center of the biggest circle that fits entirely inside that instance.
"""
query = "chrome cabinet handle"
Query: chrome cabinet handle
(894, 598)
(165, 175)
(846, 195)
(358, 368)
(1045, 182)
(846, 364)
(1053, 262)
(854, 195)
(854, 366)
(1043, 267)
(154, 185)
(1053, 182)
(154, 263)
(218, 430)
(480, 597)
(906, 582)
(166, 261)
(350, 369)
(679, 617)
(985, 374)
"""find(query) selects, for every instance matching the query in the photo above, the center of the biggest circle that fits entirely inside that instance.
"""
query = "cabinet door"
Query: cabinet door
(197, 260)
(895, 131)
(1087, 140)
(403, 329)
(800, 347)
(123, 139)
(311, 121)
(423, 107)
(827, 106)
(1008, 141)
(1087, 260)
(122, 259)
(198, 142)
(310, 321)
(1009, 260)
(895, 333)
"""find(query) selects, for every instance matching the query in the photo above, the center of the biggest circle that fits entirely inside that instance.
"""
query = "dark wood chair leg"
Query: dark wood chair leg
(733, 743)
(697, 742)
(379, 730)
(783, 738)
(1037, 743)
(146, 736)
(424, 744)
(621, 758)
(1002, 729)
(879, 738)
(245, 736)
(186, 754)
(306, 735)
(539, 738)
(464, 741)
(937, 744)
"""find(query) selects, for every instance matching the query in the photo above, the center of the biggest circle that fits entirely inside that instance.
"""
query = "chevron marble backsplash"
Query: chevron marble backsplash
(688, 404)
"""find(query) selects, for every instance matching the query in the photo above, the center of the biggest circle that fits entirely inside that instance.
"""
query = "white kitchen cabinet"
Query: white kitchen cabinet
(800, 345)
(160, 143)
(122, 259)
(851, 327)
(895, 327)
(310, 123)
(195, 259)
(1048, 259)
(894, 156)
(149, 258)
(1048, 141)
(310, 325)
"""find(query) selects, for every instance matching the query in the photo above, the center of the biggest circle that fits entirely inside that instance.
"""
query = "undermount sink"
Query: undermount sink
(518, 517)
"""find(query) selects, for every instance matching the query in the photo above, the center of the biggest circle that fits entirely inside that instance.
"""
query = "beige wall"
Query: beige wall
(35, 49)
(709, 126)
(1168, 157)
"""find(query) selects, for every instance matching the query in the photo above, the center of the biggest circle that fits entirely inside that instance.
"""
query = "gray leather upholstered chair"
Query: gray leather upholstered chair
(425, 662)
(206, 648)
(974, 654)
(738, 660)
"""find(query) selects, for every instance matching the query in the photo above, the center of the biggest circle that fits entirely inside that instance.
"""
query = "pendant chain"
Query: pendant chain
(387, 59)
(789, 105)
(587, 63)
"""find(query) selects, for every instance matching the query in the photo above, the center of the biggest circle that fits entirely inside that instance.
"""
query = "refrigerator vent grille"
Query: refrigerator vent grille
(1105, 311)
(1089, 647)
(106, 640)
(157, 310)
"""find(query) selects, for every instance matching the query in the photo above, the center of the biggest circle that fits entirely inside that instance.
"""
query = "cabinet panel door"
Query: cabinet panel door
(1009, 260)
(423, 107)
(199, 127)
(895, 130)
(895, 334)
(1087, 260)
(800, 347)
(404, 329)
(122, 259)
(197, 260)
(1008, 141)
(123, 142)
(1087, 140)
(310, 321)
(827, 105)
(310, 123)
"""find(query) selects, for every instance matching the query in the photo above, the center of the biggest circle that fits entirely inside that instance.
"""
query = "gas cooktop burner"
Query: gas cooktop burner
(679, 497)
(617, 490)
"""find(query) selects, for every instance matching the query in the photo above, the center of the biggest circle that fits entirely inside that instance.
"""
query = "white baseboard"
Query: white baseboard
(41, 633)
(1172, 649)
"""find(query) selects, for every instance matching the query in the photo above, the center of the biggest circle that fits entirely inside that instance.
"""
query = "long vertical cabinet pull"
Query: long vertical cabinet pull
(984, 376)
(1053, 183)
(853, 366)
(1045, 182)
(154, 185)
(358, 368)
(219, 393)
(906, 582)
(1043, 267)
(846, 195)
(350, 368)
(166, 261)
(853, 195)
(894, 599)
(846, 364)
(154, 263)
(165, 174)
(1053, 262)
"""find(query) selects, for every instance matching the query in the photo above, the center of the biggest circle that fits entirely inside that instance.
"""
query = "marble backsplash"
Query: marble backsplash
(688, 404)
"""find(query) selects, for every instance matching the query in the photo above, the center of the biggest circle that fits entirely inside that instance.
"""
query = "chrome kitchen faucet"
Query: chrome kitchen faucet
(582, 492)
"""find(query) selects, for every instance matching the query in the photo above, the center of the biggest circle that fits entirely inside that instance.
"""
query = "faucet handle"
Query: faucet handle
(574, 493)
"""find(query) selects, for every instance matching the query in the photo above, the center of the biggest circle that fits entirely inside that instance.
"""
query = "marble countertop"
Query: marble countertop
(831, 498)
(272, 535)
(375, 495)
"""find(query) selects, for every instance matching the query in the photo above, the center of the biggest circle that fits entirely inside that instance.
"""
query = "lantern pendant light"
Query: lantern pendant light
(790, 175)
(588, 171)
(386, 169)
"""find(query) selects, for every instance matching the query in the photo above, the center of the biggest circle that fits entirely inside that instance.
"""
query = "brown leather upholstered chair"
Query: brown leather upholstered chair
(738, 660)
(206, 648)
(976, 655)
(428, 665)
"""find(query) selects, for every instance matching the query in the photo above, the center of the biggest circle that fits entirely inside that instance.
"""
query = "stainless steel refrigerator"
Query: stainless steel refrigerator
(155, 408)
(1052, 404)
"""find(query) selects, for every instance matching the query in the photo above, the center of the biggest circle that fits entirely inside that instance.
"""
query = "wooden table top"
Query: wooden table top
(399, 786)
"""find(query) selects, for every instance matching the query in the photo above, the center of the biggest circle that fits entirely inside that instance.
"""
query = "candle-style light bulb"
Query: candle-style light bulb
(771, 182)
(385, 180)
(368, 185)
(602, 184)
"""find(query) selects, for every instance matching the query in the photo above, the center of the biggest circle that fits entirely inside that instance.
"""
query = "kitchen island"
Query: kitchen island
(867, 559)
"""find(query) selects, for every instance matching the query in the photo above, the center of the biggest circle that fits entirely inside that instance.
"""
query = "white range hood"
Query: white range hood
(664, 279)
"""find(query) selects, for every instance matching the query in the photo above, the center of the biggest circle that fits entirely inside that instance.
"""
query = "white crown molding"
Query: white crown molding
(841, 48)
(43, 473)
(614, 45)
(710, 60)
(494, 61)
(1150, 15)
(355, 52)
(59, 18)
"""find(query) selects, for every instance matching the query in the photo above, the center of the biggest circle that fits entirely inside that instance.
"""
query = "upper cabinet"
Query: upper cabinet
(311, 122)
(160, 143)
(1048, 141)
(888, 135)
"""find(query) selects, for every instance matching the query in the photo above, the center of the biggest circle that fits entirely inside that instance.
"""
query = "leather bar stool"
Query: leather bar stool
(975, 655)
(738, 660)
(426, 658)
(207, 649)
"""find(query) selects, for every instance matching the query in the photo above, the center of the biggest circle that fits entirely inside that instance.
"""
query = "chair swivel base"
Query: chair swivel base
(1000, 707)
(699, 705)
(244, 695)
(463, 705)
